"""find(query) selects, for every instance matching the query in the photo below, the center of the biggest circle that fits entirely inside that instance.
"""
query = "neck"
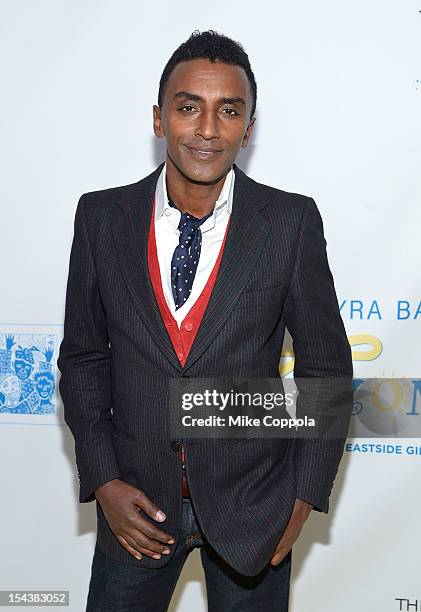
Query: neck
(197, 199)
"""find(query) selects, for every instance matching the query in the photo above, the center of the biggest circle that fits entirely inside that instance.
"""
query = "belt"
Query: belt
(185, 486)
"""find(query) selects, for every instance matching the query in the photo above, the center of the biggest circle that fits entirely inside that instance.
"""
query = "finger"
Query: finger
(146, 551)
(280, 553)
(149, 507)
(276, 559)
(130, 549)
(142, 542)
(144, 526)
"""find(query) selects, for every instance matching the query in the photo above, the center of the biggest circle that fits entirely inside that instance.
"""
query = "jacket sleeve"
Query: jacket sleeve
(321, 351)
(85, 365)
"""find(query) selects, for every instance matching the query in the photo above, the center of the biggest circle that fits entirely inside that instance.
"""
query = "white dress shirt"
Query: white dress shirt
(167, 235)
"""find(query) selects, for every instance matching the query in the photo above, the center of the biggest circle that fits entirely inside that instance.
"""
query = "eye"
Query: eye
(234, 112)
(186, 106)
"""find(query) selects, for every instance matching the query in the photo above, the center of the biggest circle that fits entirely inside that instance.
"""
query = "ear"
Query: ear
(157, 122)
(248, 132)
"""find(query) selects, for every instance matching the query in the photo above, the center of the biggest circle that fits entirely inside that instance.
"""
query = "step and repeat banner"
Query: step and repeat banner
(338, 119)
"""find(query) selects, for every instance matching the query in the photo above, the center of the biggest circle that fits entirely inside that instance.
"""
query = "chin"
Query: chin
(204, 173)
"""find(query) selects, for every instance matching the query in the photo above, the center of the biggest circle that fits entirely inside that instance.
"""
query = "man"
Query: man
(194, 272)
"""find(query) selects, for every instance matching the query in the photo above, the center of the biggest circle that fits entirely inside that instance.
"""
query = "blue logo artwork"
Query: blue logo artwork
(27, 380)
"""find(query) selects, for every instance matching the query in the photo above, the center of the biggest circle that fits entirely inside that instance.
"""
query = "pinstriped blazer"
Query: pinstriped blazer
(116, 357)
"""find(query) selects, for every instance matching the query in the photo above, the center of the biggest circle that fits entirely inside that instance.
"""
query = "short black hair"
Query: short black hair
(214, 47)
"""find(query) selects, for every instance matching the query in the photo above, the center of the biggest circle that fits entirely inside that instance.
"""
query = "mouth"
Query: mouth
(204, 153)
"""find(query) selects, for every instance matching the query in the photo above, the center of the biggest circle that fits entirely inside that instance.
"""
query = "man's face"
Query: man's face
(205, 118)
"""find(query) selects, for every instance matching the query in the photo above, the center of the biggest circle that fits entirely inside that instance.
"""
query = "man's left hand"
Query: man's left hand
(299, 516)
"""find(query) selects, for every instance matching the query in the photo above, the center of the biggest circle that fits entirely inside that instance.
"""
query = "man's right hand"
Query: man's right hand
(120, 503)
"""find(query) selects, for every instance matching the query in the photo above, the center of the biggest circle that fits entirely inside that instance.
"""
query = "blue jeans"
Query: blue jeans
(120, 587)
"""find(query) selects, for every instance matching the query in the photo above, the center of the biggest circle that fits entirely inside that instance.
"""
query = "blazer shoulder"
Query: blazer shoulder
(104, 200)
(103, 197)
(286, 202)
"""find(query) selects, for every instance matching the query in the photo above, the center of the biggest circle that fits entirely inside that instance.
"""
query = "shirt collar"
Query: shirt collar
(225, 197)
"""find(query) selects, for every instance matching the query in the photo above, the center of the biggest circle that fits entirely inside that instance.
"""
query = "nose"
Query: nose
(207, 126)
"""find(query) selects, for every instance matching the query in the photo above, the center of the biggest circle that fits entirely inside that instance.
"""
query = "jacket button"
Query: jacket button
(175, 445)
(184, 380)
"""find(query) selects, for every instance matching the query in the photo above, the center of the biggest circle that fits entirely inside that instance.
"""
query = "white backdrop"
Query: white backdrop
(338, 118)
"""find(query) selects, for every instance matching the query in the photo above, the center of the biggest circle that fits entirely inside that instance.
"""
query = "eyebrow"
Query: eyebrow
(223, 100)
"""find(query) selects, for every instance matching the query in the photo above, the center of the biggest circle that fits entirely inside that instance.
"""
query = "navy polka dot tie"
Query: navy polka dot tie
(186, 256)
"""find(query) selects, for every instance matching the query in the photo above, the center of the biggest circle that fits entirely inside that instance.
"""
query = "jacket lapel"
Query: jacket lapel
(130, 227)
(245, 239)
